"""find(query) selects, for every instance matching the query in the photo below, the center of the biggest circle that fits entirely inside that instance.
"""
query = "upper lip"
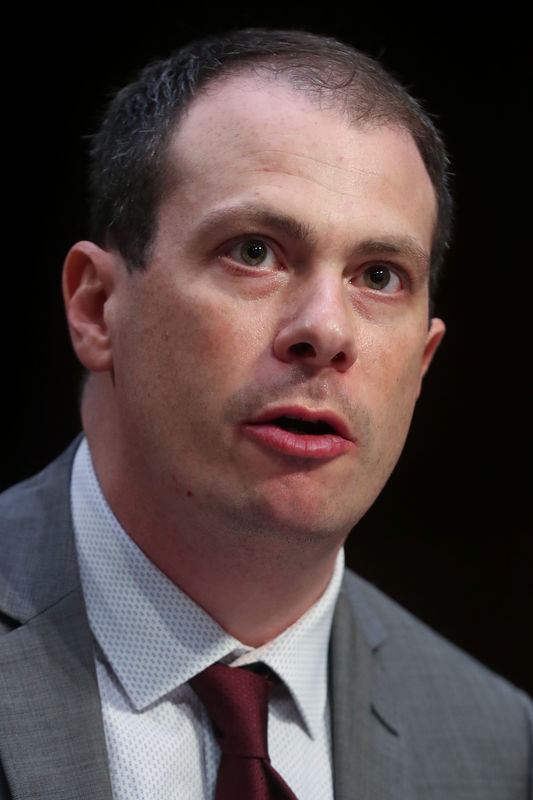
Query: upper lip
(338, 423)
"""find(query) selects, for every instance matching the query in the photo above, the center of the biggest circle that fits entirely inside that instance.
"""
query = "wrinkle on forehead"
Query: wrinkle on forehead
(343, 179)
(236, 140)
(303, 177)
(329, 164)
(339, 179)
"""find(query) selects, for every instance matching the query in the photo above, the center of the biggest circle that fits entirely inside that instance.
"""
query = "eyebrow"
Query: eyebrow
(250, 215)
(247, 214)
(403, 246)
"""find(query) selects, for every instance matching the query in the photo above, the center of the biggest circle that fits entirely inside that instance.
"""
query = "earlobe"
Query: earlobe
(88, 280)
(436, 331)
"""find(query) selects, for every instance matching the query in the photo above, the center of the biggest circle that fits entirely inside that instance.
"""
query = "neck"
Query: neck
(252, 588)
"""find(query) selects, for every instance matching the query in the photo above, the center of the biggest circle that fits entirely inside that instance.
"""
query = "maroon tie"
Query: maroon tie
(237, 702)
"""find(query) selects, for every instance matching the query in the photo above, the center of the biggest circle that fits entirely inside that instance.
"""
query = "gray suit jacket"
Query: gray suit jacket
(413, 717)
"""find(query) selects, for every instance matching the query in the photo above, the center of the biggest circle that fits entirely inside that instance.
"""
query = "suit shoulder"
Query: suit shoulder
(18, 501)
(461, 722)
(36, 540)
(432, 664)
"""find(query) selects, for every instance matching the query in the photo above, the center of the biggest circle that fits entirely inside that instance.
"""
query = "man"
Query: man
(270, 210)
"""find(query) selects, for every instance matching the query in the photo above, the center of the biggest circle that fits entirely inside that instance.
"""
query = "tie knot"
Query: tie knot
(237, 702)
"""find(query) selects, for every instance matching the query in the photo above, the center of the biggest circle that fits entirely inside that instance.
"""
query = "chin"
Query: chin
(300, 519)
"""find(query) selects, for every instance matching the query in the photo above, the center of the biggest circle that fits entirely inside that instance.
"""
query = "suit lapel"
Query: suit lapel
(54, 743)
(370, 757)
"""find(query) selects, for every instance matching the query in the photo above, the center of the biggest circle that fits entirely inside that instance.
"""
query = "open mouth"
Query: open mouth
(300, 436)
(303, 426)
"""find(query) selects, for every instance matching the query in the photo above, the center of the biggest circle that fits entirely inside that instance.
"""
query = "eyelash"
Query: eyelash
(251, 241)
(395, 271)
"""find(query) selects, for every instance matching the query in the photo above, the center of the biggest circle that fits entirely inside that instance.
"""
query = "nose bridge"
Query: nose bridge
(320, 329)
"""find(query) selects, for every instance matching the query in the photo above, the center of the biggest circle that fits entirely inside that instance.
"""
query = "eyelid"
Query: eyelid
(396, 269)
(226, 249)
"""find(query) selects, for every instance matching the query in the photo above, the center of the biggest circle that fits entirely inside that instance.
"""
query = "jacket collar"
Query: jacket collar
(52, 730)
(370, 754)
(50, 715)
(39, 563)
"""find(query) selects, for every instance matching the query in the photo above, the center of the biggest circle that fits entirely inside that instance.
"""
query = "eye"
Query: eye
(381, 278)
(253, 253)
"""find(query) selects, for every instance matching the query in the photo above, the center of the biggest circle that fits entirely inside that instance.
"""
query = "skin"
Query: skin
(184, 354)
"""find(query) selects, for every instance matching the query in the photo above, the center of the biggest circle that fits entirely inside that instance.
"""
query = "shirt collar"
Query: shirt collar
(299, 655)
(155, 638)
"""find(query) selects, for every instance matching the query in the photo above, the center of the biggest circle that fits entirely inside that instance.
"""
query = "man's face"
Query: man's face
(287, 286)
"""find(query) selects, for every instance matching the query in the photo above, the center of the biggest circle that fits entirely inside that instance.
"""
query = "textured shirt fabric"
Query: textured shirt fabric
(151, 638)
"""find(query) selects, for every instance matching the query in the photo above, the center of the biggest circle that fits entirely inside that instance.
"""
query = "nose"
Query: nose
(319, 330)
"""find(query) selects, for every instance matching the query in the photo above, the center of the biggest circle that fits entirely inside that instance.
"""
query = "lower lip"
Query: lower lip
(300, 445)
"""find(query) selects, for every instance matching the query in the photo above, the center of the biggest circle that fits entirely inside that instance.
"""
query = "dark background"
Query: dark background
(450, 537)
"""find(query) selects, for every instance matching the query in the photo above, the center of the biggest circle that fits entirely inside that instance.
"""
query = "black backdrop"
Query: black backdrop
(450, 537)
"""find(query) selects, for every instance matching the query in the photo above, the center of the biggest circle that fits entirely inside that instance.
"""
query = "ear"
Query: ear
(88, 282)
(436, 331)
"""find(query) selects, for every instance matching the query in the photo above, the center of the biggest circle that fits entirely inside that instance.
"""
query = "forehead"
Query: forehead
(261, 138)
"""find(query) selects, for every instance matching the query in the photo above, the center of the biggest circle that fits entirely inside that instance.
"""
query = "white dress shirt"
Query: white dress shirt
(151, 638)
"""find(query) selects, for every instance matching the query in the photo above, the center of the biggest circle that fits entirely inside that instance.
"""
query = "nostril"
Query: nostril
(302, 349)
(306, 349)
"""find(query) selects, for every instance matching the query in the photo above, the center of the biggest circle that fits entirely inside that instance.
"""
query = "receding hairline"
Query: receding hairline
(350, 101)
(174, 168)
(330, 102)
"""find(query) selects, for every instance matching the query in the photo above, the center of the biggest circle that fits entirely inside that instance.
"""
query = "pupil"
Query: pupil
(379, 277)
(253, 252)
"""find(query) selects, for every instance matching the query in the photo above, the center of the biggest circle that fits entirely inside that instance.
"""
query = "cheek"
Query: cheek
(199, 339)
(393, 374)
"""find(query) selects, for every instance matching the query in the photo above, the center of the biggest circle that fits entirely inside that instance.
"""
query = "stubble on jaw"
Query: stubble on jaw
(300, 386)
(252, 513)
